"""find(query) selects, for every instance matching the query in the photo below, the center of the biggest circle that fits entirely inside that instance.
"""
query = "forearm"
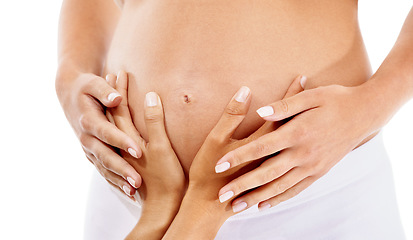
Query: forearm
(392, 85)
(395, 75)
(200, 216)
(155, 219)
(85, 31)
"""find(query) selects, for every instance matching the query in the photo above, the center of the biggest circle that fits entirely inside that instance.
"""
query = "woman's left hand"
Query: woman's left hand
(327, 123)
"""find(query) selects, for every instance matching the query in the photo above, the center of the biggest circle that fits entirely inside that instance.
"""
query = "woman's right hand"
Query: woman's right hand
(83, 97)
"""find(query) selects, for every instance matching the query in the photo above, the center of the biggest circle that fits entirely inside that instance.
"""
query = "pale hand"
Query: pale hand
(83, 97)
(328, 122)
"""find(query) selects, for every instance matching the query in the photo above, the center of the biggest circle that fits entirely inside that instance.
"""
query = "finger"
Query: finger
(233, 115)
(269, 190)
(268, 171)
(263, 146)
(154, 119)
(291, 106)
(98, 88)
(296, 86)
(111, 79)
(290, 193)
(113, 178)
(121, 115)
(111, 161)
(98, 125)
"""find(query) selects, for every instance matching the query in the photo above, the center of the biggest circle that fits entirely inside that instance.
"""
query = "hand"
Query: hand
(81, 97)
(164, 181)
(201, 204)
(328, 122)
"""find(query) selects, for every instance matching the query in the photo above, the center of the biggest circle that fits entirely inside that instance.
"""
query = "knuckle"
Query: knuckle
(153, 116)
(84, 140)
(84, 122)
(270, 174)
(215, 139)
(282, 106)
(234, 109)
(262, 149)
(238, 187)
(104, 133)
(280, 187)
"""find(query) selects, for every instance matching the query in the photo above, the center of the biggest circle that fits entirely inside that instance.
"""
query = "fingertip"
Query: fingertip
(113, 99)
(265, 111)
(242, 94)
(303, 81)
(152, 99)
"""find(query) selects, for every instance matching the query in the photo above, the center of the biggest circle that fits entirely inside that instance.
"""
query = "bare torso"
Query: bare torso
(197, 53)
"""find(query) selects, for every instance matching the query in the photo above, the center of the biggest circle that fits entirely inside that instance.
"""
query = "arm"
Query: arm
(85, 32)
(392, 84)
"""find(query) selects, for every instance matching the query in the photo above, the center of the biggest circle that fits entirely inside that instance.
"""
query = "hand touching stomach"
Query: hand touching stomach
(196, 54)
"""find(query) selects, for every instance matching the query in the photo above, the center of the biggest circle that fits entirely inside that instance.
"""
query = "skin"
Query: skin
(306, 137)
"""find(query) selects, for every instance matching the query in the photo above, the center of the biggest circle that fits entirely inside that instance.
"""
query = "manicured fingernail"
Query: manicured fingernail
(151, 99)
(222, 167)
(112, 96)
(224, 197)
(131, 181)
(239, 207)
(242, 94)
(264, 207)
(132, 152)
(265, 111)
(126, 190)
(303, 80)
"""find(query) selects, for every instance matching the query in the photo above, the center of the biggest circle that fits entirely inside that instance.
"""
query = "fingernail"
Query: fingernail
(242, 94)
(239, 207)
(303, 81)
(112, 96)
(131, 181)
(222, 167)
(126, 190)
(224, 197)
(265, 111)
(132, 152)
(264, 207)
(151, 99)
(107, 78)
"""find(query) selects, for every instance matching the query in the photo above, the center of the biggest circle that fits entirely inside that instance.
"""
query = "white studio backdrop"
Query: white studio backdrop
(45, 176)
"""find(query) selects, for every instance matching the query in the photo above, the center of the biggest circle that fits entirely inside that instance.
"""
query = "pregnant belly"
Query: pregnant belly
(196, 61)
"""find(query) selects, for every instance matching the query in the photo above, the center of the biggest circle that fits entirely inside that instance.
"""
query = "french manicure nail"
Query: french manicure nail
(151, 99)
(227, 195)
(112, 96)
(131, 181)
(265, 111)
(222, 167)
(264, 207)
(239, 207)
(132, 152)
(242, 94)
(303, 80)
(126, 190)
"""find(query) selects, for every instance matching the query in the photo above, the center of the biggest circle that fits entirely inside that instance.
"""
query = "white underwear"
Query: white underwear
(355, 200)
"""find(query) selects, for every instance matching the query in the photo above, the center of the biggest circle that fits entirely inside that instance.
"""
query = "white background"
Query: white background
(44, 175)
